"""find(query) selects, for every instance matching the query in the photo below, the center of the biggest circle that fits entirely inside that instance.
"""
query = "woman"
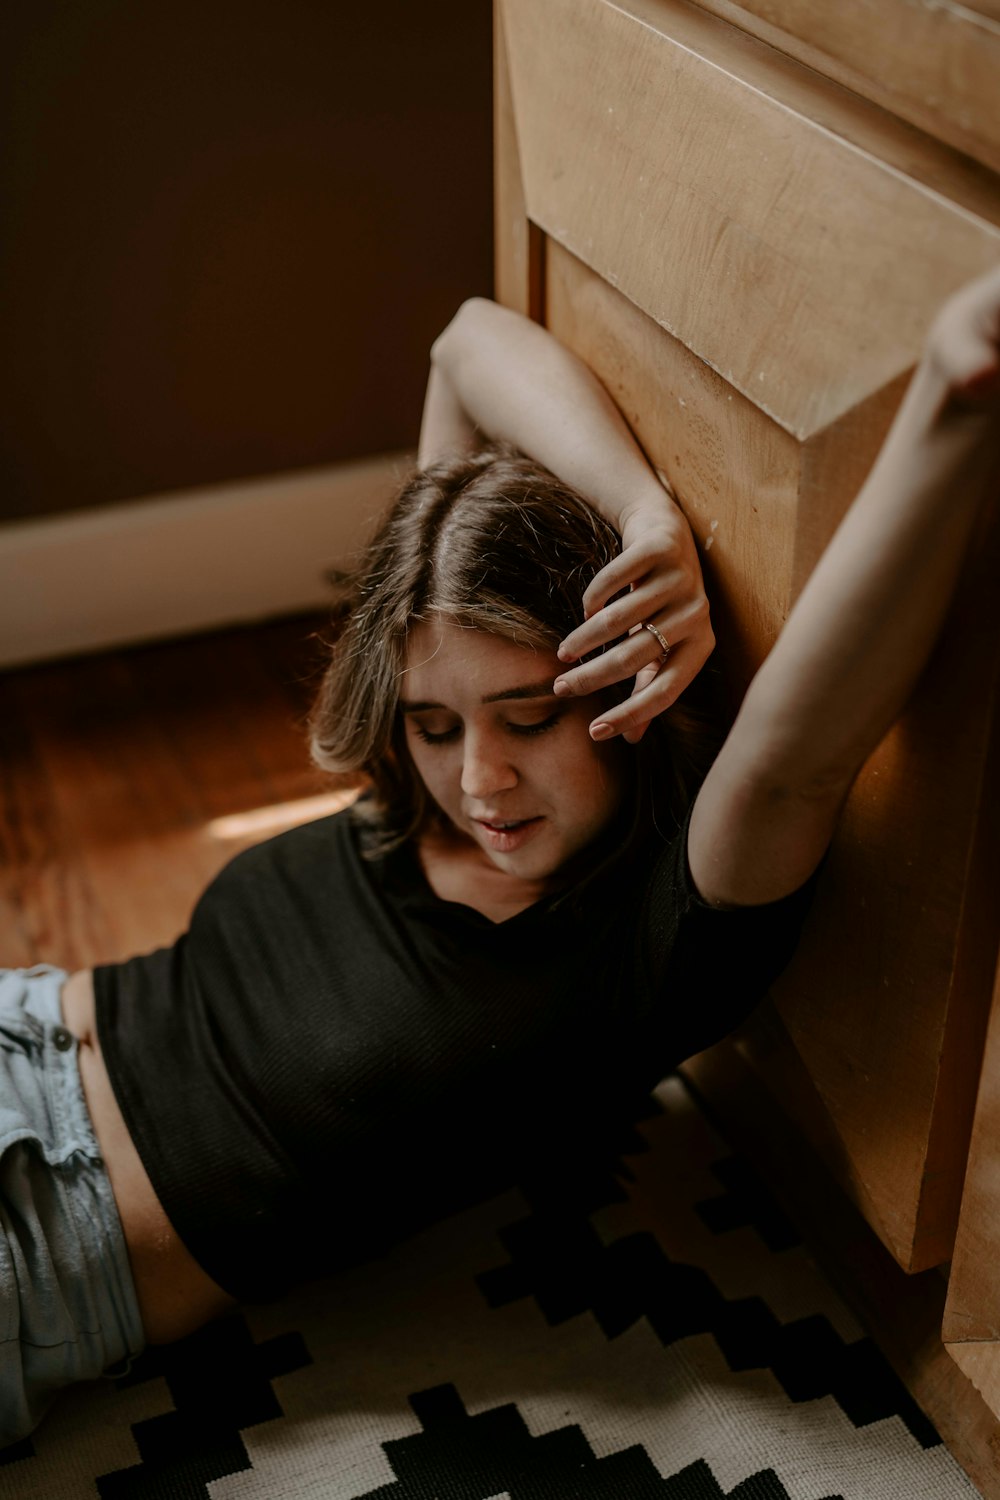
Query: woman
(527, 921)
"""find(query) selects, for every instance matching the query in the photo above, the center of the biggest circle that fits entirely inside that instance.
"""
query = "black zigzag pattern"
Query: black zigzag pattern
(220, 1382)
(747, 1203)
(582, 1173)
(15, 1452)
(557, 1257)
(458, 1457)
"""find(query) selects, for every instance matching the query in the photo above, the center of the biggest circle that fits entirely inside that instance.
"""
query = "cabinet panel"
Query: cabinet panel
(936, 65)
(972, 1313)
(754, 290)
(766, 244)
(882, 1002)
(517, 242)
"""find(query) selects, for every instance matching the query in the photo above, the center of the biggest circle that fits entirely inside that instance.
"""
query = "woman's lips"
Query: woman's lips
(508, 835)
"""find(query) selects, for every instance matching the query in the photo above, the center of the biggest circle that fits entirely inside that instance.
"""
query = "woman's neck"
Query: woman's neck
(456, 869)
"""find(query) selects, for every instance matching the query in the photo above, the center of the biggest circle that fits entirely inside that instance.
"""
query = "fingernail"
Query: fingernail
(565, 655)
(601, 731)
(561, 688)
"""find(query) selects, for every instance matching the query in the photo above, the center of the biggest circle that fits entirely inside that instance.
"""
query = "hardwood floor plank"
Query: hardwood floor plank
(29, 839)
(113, 769)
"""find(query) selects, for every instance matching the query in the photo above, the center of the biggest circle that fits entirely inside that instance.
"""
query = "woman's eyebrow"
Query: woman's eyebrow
(529, 690)
(532, 690)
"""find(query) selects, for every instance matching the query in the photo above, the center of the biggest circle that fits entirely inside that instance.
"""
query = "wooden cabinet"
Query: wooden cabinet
(972, 1312)
(748, 251)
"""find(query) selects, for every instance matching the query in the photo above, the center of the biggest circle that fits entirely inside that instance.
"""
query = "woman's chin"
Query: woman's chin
(540, 862)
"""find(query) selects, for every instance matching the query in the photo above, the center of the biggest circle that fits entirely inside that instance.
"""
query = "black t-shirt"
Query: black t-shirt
(332, 1056)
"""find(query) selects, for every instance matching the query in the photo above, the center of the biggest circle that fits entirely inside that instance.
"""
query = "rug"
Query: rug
(648, 1327)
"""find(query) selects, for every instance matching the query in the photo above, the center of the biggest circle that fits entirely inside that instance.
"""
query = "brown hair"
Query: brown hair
(494, 542)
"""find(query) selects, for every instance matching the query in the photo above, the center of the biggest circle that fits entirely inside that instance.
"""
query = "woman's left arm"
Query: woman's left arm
(863, 626)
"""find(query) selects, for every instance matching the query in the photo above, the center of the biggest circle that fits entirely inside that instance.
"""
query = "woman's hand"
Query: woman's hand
(659, 566)
(963, 345)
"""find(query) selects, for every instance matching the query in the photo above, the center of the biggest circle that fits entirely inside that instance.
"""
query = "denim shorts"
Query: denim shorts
(68, 1308)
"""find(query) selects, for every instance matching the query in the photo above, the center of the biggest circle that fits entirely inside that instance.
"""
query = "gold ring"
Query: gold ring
(664, 643)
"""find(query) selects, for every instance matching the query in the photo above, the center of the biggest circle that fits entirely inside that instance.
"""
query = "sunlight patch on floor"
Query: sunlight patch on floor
(281, 814)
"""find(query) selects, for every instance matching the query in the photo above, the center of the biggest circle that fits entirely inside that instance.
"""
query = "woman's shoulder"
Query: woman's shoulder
(299, 853)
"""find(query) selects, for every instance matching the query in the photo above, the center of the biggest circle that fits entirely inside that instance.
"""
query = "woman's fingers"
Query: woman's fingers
(654, 582)
(646, 601)
(640, 648)
(643, 679)
(657, 681)
(658, 577)
(656, 549)
(964, 340)
(632, 717)
(676, 594)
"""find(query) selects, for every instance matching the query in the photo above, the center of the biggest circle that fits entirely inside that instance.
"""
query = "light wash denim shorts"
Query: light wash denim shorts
(68, 1309)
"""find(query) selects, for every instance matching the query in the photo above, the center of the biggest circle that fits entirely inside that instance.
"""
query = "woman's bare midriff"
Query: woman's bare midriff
(175, 1295)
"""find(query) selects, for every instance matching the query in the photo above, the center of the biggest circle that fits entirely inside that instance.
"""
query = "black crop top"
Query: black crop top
(332, 1056)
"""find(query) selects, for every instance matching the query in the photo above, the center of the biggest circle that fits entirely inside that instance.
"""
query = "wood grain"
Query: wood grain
(723, 213)
(801, 78)
(517, 241)
(888, 996)
(980, 1363)
(972, 1312)
(113, 768)
(935, 65)
(885, 1003)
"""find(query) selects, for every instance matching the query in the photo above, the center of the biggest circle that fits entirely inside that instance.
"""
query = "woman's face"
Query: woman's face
(512, 766)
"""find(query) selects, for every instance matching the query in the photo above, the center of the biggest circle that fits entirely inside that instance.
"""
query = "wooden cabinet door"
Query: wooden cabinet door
(972, 1312)
(749, 257)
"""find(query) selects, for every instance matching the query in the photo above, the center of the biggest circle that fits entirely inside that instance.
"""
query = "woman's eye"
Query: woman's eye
(442, 737)
(446, 736)
(541, 726)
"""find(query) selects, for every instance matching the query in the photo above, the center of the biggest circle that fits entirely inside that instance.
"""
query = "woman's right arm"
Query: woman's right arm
(499, 375)
(445, 426)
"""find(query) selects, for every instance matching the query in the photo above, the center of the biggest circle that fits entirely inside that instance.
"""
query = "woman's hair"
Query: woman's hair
(491, 541)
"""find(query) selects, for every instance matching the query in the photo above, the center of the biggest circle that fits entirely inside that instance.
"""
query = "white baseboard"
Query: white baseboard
(170, 564)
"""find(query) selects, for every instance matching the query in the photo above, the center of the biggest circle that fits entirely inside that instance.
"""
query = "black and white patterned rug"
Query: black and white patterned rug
(652, 1329)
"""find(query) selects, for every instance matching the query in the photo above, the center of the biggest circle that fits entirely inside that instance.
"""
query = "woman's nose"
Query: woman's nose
(486, 767)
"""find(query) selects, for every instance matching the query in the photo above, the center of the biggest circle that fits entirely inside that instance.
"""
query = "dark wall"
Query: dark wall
(230, 232)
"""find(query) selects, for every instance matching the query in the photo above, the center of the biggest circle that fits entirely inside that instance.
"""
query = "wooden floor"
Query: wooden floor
(128, 778)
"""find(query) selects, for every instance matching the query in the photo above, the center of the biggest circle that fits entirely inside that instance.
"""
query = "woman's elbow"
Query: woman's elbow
(464, 325)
